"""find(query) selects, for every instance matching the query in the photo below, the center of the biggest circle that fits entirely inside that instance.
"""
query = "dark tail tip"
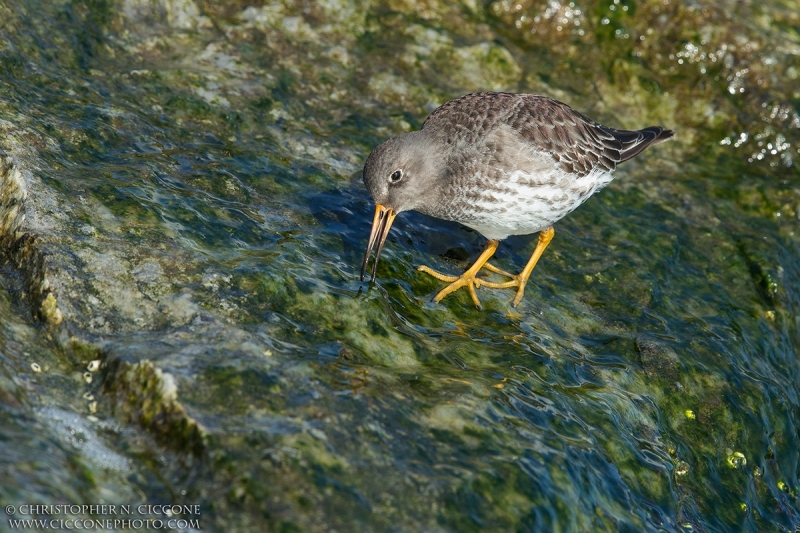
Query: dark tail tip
(660, 134)
(633, 142)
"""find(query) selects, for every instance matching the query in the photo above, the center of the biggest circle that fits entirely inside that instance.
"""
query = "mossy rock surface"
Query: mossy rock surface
(182, 222)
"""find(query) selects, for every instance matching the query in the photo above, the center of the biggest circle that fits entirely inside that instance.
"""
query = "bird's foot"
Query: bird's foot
(491, 268)
(519, 281)
(468, 279)
(471, 280)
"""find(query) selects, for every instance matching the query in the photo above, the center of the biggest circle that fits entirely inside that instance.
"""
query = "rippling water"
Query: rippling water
(193, 175)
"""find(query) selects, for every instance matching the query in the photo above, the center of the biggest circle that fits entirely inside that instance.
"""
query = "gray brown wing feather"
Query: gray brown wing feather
(576, 143)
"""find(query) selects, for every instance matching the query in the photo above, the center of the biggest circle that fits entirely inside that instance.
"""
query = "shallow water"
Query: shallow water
(193, 177)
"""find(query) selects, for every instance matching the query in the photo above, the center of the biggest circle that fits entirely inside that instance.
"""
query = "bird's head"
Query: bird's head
(400, 175)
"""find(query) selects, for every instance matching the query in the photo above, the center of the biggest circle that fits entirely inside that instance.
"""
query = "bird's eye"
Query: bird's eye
(396, 176)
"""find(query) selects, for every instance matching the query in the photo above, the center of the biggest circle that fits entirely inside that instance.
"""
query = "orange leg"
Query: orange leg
(545, 236)
(469, 278)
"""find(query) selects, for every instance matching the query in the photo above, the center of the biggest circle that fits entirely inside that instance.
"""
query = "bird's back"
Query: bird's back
(579, 145)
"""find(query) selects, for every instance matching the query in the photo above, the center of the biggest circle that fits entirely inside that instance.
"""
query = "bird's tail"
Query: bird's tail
(633, 142)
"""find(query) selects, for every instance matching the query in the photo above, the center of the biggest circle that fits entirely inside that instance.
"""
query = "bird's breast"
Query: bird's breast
(500, 204)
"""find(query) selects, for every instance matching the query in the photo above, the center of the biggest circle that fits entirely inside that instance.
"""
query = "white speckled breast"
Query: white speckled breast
(529, 203)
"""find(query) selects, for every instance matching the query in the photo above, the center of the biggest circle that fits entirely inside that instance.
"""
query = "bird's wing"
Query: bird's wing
(555, 130)
(577, 144)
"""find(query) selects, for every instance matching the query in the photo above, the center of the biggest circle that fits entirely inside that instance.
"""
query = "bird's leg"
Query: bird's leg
(468, 278)
(545, 236)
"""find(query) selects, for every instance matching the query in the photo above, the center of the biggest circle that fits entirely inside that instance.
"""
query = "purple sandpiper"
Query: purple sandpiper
(502, 164)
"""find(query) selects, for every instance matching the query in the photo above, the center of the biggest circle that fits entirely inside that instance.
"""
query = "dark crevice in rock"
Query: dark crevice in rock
(142, 393)
(765, 283)
(20, 249)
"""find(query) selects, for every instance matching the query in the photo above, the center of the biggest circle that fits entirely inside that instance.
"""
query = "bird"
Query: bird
(502, 164)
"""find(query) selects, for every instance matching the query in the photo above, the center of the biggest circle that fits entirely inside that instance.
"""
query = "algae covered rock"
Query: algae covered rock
(142, 393)
(182, 218)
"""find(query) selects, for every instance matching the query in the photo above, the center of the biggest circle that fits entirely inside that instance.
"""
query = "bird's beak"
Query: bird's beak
(384, 216)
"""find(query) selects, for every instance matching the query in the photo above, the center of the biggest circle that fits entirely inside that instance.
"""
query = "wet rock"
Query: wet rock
(658, 362)
(194, 220)
(142, 393)
(764, 281)
(20, 248)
